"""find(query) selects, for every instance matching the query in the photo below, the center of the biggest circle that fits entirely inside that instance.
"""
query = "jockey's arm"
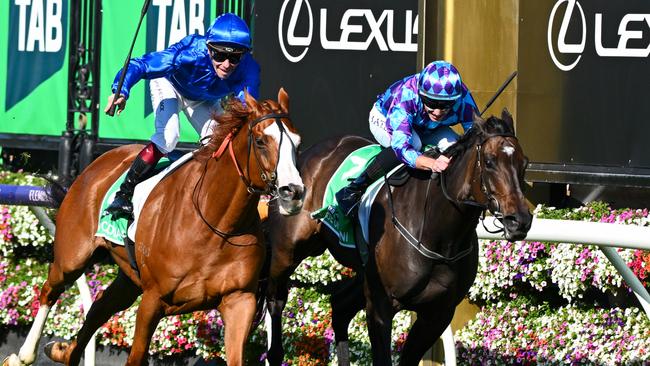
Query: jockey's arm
(401, 133)
(467, 109)
(154, 65)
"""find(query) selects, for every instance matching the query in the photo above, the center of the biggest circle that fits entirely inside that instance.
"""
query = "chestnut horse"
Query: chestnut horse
(423, 249)
(199, 244)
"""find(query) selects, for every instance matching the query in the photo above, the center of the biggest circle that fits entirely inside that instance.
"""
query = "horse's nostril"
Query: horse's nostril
(298, 191)
(285, 193)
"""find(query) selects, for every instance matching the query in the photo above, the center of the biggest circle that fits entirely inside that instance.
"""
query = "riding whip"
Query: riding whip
(496, 95)
(111, 111)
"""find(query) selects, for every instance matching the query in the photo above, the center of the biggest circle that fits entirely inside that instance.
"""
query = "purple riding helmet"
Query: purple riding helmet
(440, 80)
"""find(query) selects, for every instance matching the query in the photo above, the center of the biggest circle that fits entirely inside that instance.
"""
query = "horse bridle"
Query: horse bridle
(488, 195)
(417, 243)
(269, 180)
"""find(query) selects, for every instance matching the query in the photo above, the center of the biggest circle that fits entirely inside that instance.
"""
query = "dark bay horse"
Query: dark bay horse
(423, 249)
(199, 244)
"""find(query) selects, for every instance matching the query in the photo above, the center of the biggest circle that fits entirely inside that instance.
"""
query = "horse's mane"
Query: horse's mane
(233, 118)
(480, 129)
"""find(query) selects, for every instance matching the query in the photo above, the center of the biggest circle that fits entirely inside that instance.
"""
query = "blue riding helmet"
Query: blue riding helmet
(440, 80)
(231, 31)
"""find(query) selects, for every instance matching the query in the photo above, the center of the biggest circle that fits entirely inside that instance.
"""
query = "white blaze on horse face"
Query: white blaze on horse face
(508, 150)
(287, 171)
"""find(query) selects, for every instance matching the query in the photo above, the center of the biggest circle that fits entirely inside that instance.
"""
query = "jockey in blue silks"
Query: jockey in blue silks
(414, 112)
(194, 75)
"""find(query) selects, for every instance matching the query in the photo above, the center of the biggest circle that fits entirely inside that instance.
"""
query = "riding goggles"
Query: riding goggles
(436, 103)
(221, 55)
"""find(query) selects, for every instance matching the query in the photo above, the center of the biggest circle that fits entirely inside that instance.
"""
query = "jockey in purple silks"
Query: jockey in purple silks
(414, 112)
(194, 75)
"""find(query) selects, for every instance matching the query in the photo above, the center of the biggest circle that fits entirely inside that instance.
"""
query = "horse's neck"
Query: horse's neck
(462, 180)
(231, 205)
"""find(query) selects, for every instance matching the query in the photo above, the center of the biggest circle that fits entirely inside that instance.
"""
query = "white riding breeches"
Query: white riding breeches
(443, 136)
(167, 103)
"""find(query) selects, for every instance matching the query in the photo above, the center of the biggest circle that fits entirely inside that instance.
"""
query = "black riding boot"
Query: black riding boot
(122, 207)
(350, 196)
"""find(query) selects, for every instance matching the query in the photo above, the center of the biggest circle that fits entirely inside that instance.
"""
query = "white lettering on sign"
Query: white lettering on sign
(44, 32)
(183, 21)
(352, 23)
(624, 33)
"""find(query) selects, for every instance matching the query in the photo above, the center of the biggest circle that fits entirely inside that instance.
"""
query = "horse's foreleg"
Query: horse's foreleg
(423, 333)
(27, 353)
(121, 293)
(346, 302)
(53, 287)
(237, 311)
(379, 314)
(149, 314)
(276, 299)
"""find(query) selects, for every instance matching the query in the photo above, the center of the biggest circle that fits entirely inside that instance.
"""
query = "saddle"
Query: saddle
(122, 231)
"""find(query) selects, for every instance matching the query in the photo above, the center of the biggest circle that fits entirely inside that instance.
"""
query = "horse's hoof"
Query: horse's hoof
(11, 360)
(55, 351)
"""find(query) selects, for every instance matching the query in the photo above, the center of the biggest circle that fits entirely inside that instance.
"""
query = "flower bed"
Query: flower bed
(541, 303)
(558, 303)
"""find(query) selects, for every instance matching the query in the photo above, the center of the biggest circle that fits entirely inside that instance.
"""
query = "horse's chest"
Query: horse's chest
(424, 286)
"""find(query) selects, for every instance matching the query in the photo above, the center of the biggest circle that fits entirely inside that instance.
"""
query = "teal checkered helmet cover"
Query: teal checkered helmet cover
(440, 80)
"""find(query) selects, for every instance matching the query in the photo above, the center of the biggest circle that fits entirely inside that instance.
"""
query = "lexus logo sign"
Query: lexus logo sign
(291, 38)
(624, 32)
(562, 46)
(353, 24)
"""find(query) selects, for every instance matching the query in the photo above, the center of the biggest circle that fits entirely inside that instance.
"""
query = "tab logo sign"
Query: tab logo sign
(359, 29)
(37, 45)
(628, 32)
(169, 21)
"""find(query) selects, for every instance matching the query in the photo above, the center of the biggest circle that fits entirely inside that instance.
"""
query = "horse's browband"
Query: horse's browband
(269, 116)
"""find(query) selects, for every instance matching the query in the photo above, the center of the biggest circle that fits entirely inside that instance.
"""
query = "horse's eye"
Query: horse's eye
(259, 142)
(490, 161)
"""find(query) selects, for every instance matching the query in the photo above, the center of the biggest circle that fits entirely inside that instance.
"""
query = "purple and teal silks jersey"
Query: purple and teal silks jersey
(404, 112)
(187, 65)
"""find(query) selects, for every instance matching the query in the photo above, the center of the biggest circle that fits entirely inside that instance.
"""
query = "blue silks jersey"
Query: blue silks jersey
(404, 112)
(187, 65)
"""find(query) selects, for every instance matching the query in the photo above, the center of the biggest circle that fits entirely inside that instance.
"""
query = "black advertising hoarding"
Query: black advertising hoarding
(333, 57)
(584, 79)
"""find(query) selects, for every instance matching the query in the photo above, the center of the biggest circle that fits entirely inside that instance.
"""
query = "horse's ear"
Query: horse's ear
(251, 103)
(283, 99)
(478, 121)
(507, 118)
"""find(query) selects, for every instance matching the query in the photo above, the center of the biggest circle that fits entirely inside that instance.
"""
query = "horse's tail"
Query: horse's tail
(57, 189)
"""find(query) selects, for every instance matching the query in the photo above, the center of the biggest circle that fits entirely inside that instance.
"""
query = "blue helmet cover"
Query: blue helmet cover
(229, 30)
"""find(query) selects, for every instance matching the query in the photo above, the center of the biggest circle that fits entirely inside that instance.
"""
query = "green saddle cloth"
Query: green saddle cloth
(116, 230)
(330, 214)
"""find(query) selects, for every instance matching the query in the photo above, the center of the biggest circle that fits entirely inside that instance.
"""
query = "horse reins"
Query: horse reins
(417, 243)
(269, 181)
